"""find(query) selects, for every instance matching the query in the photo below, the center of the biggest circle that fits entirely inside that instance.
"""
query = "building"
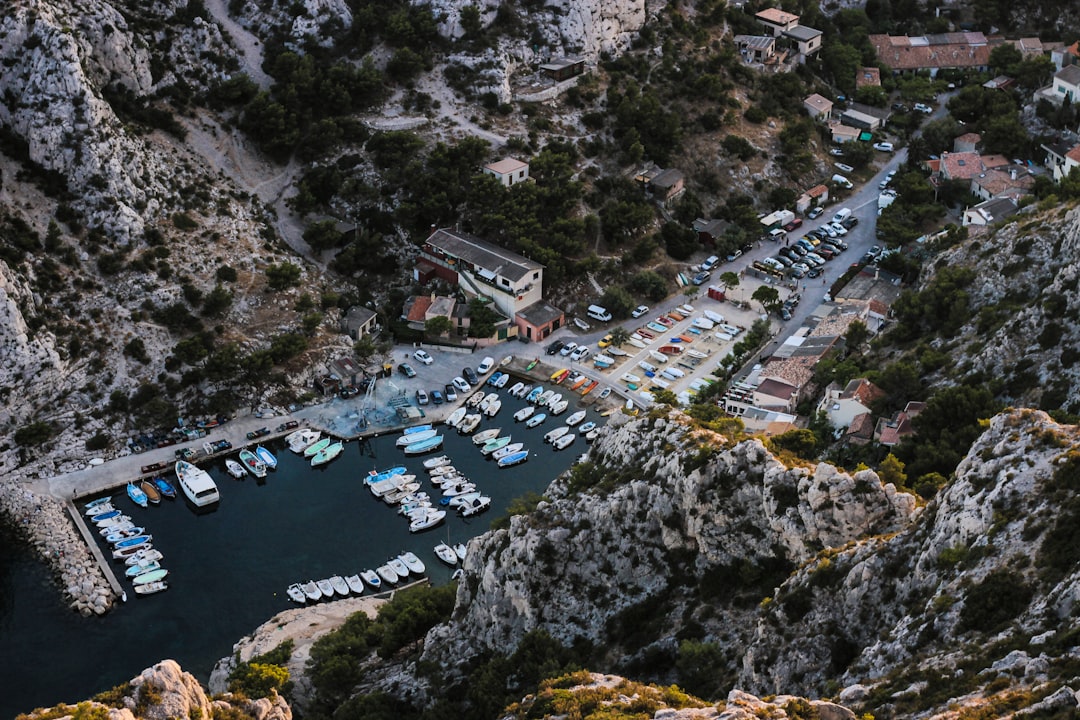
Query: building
(359, 322)
(843, 133)
(1029, 47)
(1061, 158)
(861, 120)
(710, 231)
(990, 211)
(666, 185)
(966, 143)
(482, 269)
(563, 68)
(818, 107)
(867, 77)
(756, 48)
(842, 406)
(776, 21)
(890, 431)
(1066, 84)
(508, 171)
(1001, 82)
(932, 53)
(539, 320)
(1013, 182)
(960, 166)
(814, 197)
(807, 41)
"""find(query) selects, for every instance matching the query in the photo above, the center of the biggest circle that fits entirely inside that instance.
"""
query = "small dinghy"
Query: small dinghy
(356, 585)
(340, 586)
(524, 413)
(560, 407)
(311, 591)
(91, 508)
(514, 459)
(433, 464)
(456, 417)
(151, 576)
(235, 469)
(555, 434)
(516, 388)
(575, 418)
(398, 565)
(492, 445)
(325, 587)
(535, 393)
(317, 447)
(460, 550)
(296, 594)
(141, 568)
(587, 427)
(564, 442)
(484, 436)
(371, 578)
(446, 553)
(535, 420)
(508, 450)
(411, 438)
(143, 556)
(151, 587)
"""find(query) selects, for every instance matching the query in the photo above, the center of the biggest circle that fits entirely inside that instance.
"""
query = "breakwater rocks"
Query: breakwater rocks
(48, 528)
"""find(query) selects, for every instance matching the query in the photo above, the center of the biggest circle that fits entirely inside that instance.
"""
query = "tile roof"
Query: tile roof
(1074, 154)
(1069, 74)
(863, 390)
(482, 254)
(961, 165)
(418, 311)
(970, 138)
(949, 50)
(998, 182)
(818, 102)
(776, 388)
(776, 16)
(862, 426)
(817, 191)
(795, 370)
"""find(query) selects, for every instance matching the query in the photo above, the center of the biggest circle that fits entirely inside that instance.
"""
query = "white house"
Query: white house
(508, 171)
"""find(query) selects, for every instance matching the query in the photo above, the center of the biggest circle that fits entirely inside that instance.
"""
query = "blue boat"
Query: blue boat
(137, 495)
(494, 378)
(375, 476)
(266, 456)
(104, 516)
(536, 392)
(132, 542)
(165, 487)
(424, 446)
(514, 459)
(415, 429)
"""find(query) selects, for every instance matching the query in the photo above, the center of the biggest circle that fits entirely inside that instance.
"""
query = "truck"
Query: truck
(775, 220)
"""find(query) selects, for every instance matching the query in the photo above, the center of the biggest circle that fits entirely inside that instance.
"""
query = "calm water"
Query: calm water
(228, 569)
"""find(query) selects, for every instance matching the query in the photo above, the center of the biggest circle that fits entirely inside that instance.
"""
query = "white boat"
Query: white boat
(329, 453)
(371, 578)
(414, 509)
(592, 435)
(443, 470)
(235, 469)
(703, 324)
(296, 593)
(381, 487)
(564, 442)
(612, 350)
(458, 489)
(396, 496)
(492, 445)
(430, 520)
(433, 464)
(140, 568)
(469, 423)
(415, 437)
(631, 378)
(387, 574)
(459, 501)
(560, 408)
(636, 343)
(697, 354)
(197, 484)
(446, 553)
(515, 389)
(647, 367)
(456, 417)
(605, 392)
(493, 409)
(575, 418)
(460, 550)
(476, 507)
(554, 400)
(542, 398)
(555, 434)
(535, 420)
(508, 450)
(412, 562)
(302, 439)
(714, 316)
(658, 356)
(148, 555)
(149, 588)
(642, 339)
(356, 585)
(495, 377)
(398, 565)
(251, 462)
(501, 382)
(603, 360)
(340, 586)
(94, 507)
(534, 394)
(475, 399)
(587, 427)
(325, 587)
(488, 399)
(513, 459)
(484, 435)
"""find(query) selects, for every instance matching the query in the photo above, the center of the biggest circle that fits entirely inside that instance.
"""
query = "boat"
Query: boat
(503, 379)
(469, 423)
(696, 354)
(151, 587)
(137, 495)
(387, 574)
(605, 392)
(456, 417)
(575, 418)
(398, 565)
(543, 398)
(252, 463)
(602, 361)
(327, 454)
(535, 420)
(524, 413)
(412, 562)
(671, 350)
(105, 516)
(432, 464)
(508, 450)
(390, 484)
(311, 591)
(586, 427)
(492, 445)
(703, 323)
(317, 447)
(495, 378)
(396, 496)
(325, 587)
(592, 435)
(514, 459)
(235, 469)
(493, 409)
(123, 553)
(534, 394)
(612, 350)
(559, 375)
(579, 381)
(533, 364)
(356, 585)
(91, 508)
(560, 408)
(475, 399)
(415, 437)
(296, 593)
(488, 399)
(476, 506)
(555, 434)
(589, 388)
(564, 442)
(151, 492)
(140, 568)
(459, 549)
(123, 534)
(446, 553)
(424, 446)
(515, 389)
(340, 586)
(375, 476)
(554, 400)
(133, 542)
(143, 556)
(483, 436)
(266, 456)
(371, 578)
(300, 439)
(443, 470)
(430, 520)
(460, 488)
(111, 527)
(417, 429)
(151, 577)
(524, 391)
(165, 487)
(631, 378)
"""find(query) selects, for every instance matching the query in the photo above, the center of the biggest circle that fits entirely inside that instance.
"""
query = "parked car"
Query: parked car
(406, 370)
(734, 255)
(796, 272)
(826, 252)
(451, 392)
(470, 376)
(580, 353)
(485, 365)
(461, 385)
(422, 356)
(437, 397)
(840, 229)
(819, 234)
(813, 272)
(639, 311)
(800, 248)
(883, 146)
(604, 341)
(710, 262)
(702, 277)
(793, 225)
(801, 267)
(923, 108)
(783, 259)
(850, 222)
(422, 397)
(900, 107)
(815, 213)
(555, 347)
(568, 348)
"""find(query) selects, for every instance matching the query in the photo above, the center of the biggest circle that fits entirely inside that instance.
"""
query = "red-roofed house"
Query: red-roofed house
(777, 21)
(843, 406)
(889, 432)
(966, 142)
(815, 196)
(964, 50)
(961, 165)
(861, 429)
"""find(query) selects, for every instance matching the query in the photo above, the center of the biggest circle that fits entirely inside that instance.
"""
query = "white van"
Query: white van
(777, 234)
(841, 215)
(597, 312)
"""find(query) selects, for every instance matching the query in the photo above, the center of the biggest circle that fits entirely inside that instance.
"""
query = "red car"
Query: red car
(794, 224)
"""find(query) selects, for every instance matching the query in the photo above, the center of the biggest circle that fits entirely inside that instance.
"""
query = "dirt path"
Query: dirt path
(249, 45)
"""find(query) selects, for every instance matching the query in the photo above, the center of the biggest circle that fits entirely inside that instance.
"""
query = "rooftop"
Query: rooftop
(756, 42)
(947, 50)
(539, 313)
(961, 165)
(820, 103)
(482, 254)
(666, 179)
(818, 191)
(506, 166)
(803, 33)
(714, 227)
(1069, 74)
(776, 16)
(561, 62)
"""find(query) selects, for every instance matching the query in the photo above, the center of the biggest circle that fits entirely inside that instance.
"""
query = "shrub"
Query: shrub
(999, 598)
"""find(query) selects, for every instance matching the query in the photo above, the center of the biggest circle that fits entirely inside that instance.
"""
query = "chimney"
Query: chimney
(1012, 173)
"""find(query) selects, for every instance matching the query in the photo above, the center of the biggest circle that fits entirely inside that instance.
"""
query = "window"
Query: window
(536, 276)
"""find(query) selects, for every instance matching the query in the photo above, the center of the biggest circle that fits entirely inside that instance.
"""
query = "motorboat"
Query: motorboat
(459, 550)
(327, 454)
(117, 521)
(476, 506)
(398, 565)
(564, 442)
(494, 379)
(524, 413)
(396, 496)
(592, 435)
(604, 393)
(445, 479)
(443, 470)
(151, 492)
(266, 456)
(317, 447)
(492, 445)
(140, 568)
(137, 495)
(151, 576)
(104, 516)
(356, 585)
(534, 394)
(483, 436)
(430, 520)
(325, 587)
(560, 408)
(412, 562)
(415, 508)
(381, 487)
(586, 427)
(165, 487)
(575, 418)
(123, 534)
(602, 361)
(111, 528)
(459, 489)
(555, 434)
(375, 476)
(371, 578)
(151, 587)
(433, 464)
(143, 556)
(514, 459)
(123, 553)
(302, 439)
(405, 440)
(535, 420)
(340, 586)
(296, 594)
(311, 591)
(554, 400)
(475, 399)
(493, 409)
(469, 423)
(515, 389)
(658, 356)
(631, 378)
(636, 342)
(703, 323)
(543, 398)
(456, 417)
(697, 354)
(507, 450)
(424, 446)
(90, 508)
(252, 463)
(235, 469)
(446, 553)
(416, 429)
(524, 391)
(459, 501)
(134, 542)
(488, 400)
